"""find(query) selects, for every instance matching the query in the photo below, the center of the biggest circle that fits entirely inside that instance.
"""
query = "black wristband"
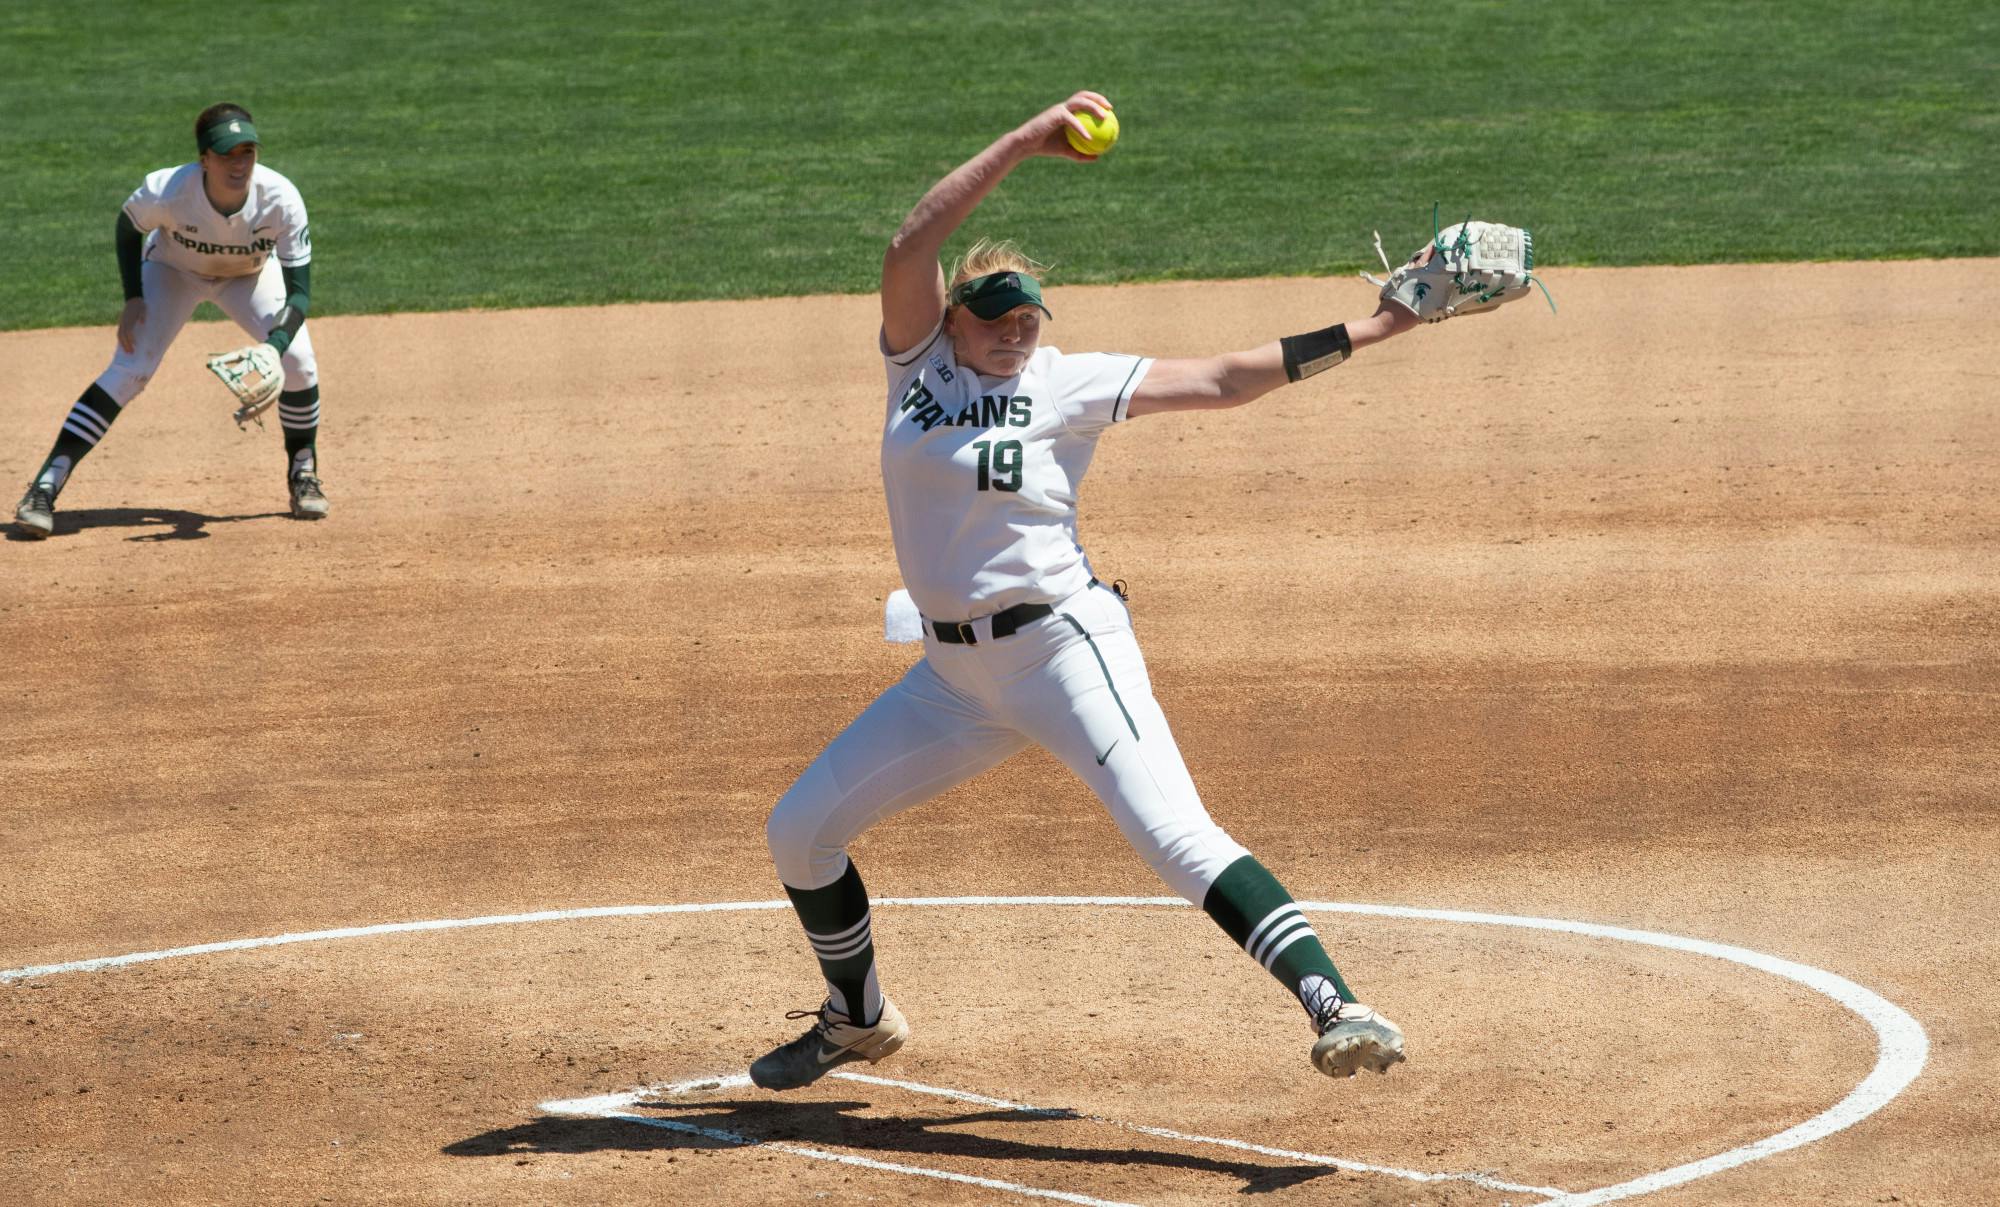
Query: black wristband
(1315, 351)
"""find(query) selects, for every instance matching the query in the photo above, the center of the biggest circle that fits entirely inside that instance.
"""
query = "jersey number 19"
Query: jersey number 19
(999, 464)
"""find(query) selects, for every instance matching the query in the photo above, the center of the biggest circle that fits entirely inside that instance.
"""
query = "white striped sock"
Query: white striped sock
(1303, 930)
(845, 943)
(1280, 928)
(1273, 923)
(85, 424)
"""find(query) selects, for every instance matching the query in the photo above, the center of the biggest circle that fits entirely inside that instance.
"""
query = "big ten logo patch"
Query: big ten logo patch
(943, 369)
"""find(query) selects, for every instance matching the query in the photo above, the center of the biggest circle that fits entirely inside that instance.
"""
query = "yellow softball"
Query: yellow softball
(1103, 132)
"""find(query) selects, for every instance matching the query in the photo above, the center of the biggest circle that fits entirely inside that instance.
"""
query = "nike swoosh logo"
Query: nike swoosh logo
(1107, 751)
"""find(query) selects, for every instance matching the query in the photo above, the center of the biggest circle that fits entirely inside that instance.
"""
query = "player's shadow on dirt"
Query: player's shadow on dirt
(163, 523)
(667, 1126)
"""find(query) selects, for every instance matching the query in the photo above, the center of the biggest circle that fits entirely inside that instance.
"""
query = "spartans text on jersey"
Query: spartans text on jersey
(989, 410)
(223, 249)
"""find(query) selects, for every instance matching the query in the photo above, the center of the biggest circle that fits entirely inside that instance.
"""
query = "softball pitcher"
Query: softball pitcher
(985, 441)
(224, 229)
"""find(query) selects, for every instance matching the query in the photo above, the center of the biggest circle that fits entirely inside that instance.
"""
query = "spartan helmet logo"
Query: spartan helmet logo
(236, 127)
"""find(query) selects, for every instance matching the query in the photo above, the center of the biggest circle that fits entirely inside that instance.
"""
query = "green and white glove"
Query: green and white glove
(1471, 268)
(254, 375)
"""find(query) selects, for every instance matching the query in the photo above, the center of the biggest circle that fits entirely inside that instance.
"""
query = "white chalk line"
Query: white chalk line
(1902, 1047)
(382, 928)
(613, 1106)
(1413, 1175)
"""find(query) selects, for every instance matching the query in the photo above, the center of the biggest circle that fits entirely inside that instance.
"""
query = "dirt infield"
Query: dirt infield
(1675, 612)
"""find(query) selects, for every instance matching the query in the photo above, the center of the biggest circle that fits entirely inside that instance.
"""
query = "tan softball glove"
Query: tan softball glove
(1470, 268)
(254, 375)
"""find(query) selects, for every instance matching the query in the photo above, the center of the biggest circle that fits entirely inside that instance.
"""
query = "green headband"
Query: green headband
(226, 134)
(996, 293)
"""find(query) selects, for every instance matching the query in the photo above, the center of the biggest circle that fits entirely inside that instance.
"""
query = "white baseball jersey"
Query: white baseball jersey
(982, 472)
(188, 234)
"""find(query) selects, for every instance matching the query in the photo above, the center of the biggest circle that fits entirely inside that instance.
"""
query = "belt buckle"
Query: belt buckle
(965, 634)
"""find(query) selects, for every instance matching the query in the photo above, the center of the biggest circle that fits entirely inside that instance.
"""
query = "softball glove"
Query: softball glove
(254, 375)
(1470, 268)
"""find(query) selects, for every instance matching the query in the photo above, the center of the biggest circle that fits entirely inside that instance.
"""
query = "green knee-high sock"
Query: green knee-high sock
(88, 420)
(298, 414)
(1249, 904)
(837, 924)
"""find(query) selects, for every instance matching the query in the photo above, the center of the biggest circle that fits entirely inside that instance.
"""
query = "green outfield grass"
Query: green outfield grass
(512, 154)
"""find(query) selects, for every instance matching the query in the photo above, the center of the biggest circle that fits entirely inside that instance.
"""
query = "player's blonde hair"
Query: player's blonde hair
(991, 255)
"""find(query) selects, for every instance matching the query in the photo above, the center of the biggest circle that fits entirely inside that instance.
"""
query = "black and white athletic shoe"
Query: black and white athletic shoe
(308, 502)
(36, 516)
(832, 1041)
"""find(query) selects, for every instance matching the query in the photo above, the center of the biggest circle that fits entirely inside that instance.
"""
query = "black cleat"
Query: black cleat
(36, 516)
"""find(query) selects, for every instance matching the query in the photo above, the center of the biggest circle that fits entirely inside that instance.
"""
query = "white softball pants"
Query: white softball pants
(1073, 682)
(172, 294)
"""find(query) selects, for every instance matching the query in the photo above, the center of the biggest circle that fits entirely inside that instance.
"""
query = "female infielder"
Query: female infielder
(224, 229)
(985, 441)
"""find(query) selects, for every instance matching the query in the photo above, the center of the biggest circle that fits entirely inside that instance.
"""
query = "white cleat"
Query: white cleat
(1354, 1038)
(831, 1042)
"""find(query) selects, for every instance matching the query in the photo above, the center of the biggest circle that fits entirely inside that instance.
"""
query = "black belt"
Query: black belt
(1006, 622)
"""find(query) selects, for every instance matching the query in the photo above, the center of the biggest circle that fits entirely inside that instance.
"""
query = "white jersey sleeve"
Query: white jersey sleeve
(1094, 388)
(147, 206)
(289, 207)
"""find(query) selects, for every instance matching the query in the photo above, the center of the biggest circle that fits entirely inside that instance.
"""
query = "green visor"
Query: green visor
(996, 293)
(224, 135)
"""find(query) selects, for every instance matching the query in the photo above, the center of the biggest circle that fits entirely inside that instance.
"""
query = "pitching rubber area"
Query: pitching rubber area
(1902, 1048)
